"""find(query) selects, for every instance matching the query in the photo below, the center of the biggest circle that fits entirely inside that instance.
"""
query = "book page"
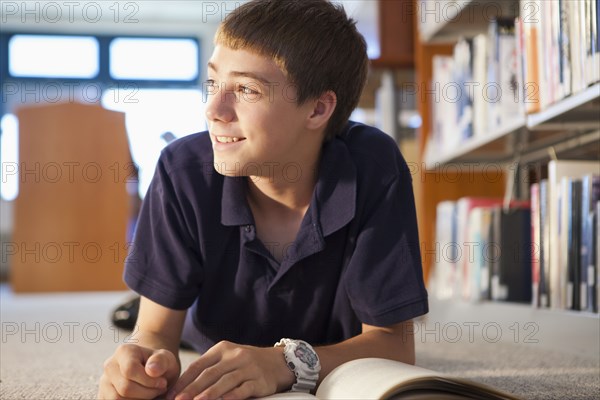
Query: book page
(290, 396)
(368, 378)
(376, 378)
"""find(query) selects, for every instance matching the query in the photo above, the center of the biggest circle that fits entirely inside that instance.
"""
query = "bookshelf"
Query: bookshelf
(574, 116)
(574, 112)
(445, 21)
(567, 128)
(494, 145)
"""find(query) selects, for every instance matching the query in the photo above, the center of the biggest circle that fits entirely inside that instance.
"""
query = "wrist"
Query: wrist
(285, 376)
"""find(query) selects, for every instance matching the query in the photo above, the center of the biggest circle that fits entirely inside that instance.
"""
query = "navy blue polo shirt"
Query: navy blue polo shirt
(355, 259)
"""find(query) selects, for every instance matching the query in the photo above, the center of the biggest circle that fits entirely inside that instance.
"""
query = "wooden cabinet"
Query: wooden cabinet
(72, 208)
(396, 33)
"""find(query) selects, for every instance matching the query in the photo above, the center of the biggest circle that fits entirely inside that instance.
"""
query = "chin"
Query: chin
(237, 167)
(228, 167)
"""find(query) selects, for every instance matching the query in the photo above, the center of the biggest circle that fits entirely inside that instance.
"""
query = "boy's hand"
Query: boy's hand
(232, 371)
(138, 372)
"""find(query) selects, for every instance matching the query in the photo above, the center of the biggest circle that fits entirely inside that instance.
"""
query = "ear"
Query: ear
(323, 108)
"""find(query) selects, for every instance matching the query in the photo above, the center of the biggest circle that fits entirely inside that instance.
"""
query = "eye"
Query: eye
(247, 90)
(209, 83)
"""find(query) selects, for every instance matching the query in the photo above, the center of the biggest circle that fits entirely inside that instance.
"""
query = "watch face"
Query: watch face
(305, 355)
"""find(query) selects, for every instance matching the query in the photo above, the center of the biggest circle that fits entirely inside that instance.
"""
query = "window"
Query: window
(154, 59)
(52, 56)
(124, 73)
(150, 113)
(9, 157)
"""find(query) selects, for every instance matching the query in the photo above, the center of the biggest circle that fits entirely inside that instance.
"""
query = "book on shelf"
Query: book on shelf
(444, 111)
(381, 379)
(511, 269)
(596, 254)
(534, 195)
(478, 275)
(520, 65)
(564, 61)
(505, 102)
(590, 197)
(544, 246)
(561, 50)
(476, 260)
(445, 260)
(530, 60)
(572, 224)
(559, 205)
(543, 251)
(480, 68)
(475, 246)
(463, 75)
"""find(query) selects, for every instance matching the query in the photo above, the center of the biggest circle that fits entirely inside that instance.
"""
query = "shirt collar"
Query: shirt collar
(335, 191)
(333, 202)
(234, 206)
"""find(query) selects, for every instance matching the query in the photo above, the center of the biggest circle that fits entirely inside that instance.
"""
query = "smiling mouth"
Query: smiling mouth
(228, 139)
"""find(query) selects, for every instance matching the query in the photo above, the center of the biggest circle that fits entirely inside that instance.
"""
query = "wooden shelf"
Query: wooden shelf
(478, 148)
(442, 21)
(577, 114)
(397, 62)
(568, 111)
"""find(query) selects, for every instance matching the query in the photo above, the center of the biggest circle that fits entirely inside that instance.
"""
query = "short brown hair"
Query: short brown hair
(313, 42)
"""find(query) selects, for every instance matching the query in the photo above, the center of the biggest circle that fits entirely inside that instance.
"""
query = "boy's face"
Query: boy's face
(255, 123)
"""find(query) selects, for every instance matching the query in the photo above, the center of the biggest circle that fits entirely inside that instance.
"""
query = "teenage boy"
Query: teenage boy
(284, 220)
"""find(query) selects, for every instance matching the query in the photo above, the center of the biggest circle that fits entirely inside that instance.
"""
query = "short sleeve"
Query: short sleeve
(384, 278)
(164, 262)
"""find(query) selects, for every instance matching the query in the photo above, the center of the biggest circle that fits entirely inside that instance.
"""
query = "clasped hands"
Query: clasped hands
(227, 371)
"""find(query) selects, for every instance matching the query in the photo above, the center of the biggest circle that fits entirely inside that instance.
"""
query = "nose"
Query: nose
(219, 105)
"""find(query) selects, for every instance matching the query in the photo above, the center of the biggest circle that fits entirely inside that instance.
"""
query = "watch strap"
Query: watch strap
(306, 378)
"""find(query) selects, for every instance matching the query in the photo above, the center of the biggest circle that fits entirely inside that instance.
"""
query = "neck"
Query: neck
(285, 190)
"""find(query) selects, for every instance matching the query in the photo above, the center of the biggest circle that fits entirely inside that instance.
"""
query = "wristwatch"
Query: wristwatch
(304, 362)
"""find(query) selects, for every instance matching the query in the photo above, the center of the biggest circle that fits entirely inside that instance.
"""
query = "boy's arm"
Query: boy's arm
(158, 327)
(394, 342)
(232, 371)
(149, 363)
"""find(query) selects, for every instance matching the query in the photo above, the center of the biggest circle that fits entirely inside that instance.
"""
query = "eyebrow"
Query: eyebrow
(246, 74)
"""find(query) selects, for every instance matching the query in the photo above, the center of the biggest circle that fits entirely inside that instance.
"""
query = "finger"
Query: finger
(129, 389)
(228, 382)
(244, 391)
(133, 370)
(192, 372)
(107, 391)
(130, 360)
(202, 381)
(126, 386)
(161, 363)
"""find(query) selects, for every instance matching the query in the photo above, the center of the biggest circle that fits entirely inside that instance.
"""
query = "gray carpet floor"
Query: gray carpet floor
(53, 347)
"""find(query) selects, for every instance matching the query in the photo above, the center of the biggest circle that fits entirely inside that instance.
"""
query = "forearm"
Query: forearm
(395, 343)
(153, 340)
(158, 327)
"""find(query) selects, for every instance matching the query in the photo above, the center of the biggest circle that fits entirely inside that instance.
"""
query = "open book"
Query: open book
(377, 378)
